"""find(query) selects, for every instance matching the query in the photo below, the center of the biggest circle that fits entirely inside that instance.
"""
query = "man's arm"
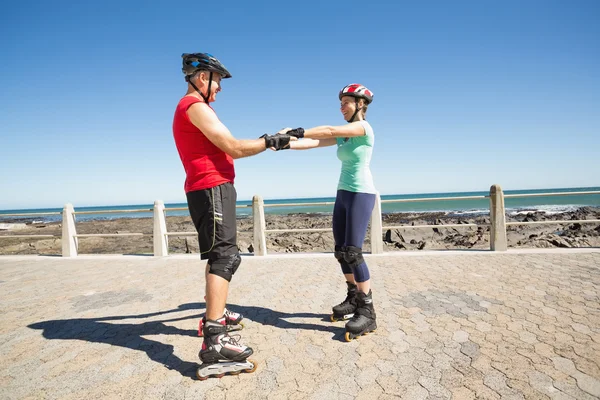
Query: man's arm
(205, 119)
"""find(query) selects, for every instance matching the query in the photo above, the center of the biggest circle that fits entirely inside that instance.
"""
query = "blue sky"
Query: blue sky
(467, 94)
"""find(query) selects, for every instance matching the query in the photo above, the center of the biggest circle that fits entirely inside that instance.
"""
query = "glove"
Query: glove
(298, 132)
(278, 142)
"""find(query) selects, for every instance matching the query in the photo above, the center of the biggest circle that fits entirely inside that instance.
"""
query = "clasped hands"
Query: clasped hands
(281, 140)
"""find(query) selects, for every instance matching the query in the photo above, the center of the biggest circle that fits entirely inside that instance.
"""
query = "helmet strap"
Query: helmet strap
(198, 90)
(355, 112)
(208, 90)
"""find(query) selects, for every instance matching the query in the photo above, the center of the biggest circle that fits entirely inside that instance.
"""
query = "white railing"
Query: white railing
(376, 221)
(161, 236)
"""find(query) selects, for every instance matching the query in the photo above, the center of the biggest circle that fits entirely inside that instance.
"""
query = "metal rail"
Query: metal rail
(29, 236)
(298, 230)
(31, 214)
(435, 199)
(322, 203)
(433, 226)
(549, 194)
(560, 221)
(138, 210)
(84, 235)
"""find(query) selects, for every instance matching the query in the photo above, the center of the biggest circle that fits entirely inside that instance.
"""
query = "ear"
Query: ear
(202, 76)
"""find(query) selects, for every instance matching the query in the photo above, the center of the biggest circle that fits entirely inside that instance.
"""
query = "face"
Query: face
(215, 86)
(347, 107)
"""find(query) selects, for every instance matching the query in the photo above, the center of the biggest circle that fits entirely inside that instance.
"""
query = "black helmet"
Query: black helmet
(193, 62)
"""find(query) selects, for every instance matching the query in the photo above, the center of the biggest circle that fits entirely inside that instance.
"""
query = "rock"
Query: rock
(388, 236)
(560, 242)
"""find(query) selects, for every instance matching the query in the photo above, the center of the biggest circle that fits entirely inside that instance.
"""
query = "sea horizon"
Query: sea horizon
(547, 204)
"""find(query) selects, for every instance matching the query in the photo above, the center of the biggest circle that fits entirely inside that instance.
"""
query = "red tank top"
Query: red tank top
(205, 165)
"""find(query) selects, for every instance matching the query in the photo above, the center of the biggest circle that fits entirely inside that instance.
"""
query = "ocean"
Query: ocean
(548, 204)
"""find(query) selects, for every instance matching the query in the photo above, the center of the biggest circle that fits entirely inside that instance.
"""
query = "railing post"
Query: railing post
(69, 240)
(258, 214)
(376, 227)
(161, 242)
(498, 219)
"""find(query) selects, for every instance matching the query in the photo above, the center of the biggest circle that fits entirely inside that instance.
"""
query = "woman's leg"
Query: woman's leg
(358, 215)
(339, 233)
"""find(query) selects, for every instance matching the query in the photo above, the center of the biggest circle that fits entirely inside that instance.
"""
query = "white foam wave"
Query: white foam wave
(549, 209)
(469, 212)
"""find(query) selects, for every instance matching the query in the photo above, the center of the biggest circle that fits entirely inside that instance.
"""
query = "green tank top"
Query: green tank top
(355, 155)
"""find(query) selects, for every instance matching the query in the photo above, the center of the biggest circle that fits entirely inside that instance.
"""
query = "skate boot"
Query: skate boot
(233, 321)
(364, 320)
(345, 310)
(221, 354)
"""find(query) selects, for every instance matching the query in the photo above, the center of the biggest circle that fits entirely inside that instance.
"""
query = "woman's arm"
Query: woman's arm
(306, 144)
(327, 132)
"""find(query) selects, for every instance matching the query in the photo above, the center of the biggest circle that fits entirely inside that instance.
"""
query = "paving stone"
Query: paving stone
(465, 325)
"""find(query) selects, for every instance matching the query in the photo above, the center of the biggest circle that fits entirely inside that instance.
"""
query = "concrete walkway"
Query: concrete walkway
(451, 325)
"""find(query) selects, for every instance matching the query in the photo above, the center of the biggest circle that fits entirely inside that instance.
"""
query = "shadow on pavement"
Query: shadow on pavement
(131, 335)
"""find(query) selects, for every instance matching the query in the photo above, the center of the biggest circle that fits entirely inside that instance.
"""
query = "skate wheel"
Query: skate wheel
(200, 378)
(235, 373)
(242, 325)
(254, 365)
(348, 337)
(333, 319)
(219, 376)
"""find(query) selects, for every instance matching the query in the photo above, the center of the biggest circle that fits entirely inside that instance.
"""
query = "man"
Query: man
(207, 150)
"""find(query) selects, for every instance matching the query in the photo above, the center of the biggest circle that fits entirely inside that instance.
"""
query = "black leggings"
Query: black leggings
(351, 215)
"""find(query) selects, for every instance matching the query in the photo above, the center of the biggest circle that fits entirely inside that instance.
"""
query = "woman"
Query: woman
(353, 204)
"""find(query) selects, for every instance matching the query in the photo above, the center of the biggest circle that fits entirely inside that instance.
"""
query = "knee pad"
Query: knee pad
(225, 267)
(353, 256)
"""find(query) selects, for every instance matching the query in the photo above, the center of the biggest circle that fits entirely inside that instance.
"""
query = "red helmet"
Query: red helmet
(357, 90)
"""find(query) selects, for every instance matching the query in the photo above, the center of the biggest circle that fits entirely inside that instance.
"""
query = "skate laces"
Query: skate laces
(230, 314)
(232, 339)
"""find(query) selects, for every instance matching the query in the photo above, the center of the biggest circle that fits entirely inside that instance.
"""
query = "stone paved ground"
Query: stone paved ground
(457, 325)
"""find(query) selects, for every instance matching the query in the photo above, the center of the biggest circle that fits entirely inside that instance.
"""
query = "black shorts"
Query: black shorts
(213, 213)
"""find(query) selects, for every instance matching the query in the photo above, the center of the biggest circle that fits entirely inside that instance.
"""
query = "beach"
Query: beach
(565, 235)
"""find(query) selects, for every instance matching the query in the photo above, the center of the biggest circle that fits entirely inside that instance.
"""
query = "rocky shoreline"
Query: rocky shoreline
(431, 238)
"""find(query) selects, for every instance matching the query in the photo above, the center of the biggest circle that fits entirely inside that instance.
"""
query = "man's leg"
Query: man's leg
(224, 258)
(216, 295)
(213, 214)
